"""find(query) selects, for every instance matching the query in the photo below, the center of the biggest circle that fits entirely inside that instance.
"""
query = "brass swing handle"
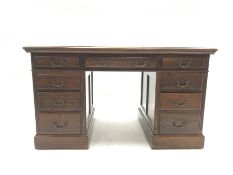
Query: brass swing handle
(59, 102)
(137, 64)
(101, 63)
(58, 63)
(58, 84)
(184, 84)
(178, 124)
(179, 103)
(185, 63)
(60, 125)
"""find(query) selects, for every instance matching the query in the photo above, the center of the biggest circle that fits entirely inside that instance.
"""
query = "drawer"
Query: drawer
(180, 122)
(59, 101)
(59, 123)
(56, 61)
(180, 101)
(121, 62)
(183, 81)
(185, 62)
(58, 79)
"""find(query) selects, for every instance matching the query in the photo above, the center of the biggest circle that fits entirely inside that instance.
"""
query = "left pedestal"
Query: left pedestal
(63, 101)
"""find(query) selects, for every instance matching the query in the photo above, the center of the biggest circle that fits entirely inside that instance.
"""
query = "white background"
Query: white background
(118, 144)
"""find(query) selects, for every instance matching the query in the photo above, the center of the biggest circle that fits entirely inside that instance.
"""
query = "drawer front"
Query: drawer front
(56, 61)
(58, 79)
(185, 62)
(59, 123)
(182, 81)
(180, 101)
(180, 122)
(59, 101)
(121, 62)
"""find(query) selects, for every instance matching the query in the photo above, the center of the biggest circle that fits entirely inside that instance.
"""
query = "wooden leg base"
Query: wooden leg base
(61, 142)
(177, 141)
(170, 141)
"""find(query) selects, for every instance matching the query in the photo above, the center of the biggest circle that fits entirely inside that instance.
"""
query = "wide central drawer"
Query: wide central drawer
(121, 62)
(180, 101)
(59, 123)
(58, 79)
(59, 101)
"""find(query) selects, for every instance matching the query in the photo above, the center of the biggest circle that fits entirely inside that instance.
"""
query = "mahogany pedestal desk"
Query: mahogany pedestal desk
(173, 90)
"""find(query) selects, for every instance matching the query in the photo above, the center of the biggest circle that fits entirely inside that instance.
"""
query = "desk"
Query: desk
(171, 107)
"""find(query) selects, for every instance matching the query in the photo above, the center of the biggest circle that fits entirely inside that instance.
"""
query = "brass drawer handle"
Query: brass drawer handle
(178, 124)
(101, 63)
(140, 65)
(59, 102)
(57, 63)
(184, 84)
(58, 84)
(179, 103)
(185, 63)
(60, 125)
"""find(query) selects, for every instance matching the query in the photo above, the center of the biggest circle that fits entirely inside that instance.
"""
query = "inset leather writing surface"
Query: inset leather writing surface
(120, 50)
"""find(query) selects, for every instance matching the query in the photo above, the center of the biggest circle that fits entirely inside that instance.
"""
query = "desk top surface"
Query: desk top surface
(119, 50)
